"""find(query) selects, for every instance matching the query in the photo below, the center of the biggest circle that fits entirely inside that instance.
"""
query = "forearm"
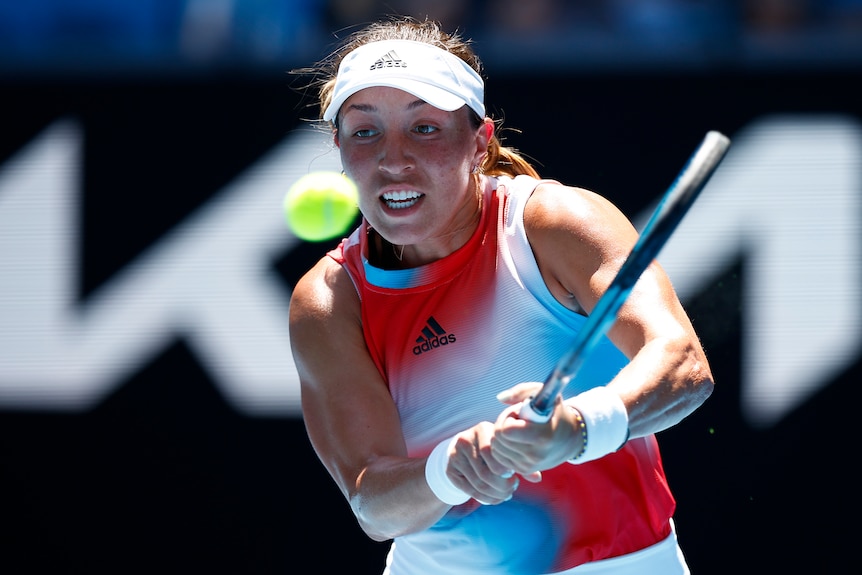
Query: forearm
(392, 498)
(666, 381)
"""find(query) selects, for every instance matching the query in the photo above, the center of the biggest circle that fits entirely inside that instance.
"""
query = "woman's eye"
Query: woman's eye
(364, 133)
(426, 129)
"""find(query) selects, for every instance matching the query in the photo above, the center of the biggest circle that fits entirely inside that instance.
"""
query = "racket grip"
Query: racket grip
(528, 413)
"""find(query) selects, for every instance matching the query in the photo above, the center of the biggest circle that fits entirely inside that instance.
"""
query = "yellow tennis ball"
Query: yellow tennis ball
(321, 206)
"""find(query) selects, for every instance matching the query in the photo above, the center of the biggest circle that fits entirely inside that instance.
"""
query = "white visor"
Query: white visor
(430, 73)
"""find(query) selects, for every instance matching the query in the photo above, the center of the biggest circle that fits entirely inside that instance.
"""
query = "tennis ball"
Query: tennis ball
(321, 206)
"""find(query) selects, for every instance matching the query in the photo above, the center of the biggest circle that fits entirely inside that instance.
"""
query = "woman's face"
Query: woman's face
(412, 163)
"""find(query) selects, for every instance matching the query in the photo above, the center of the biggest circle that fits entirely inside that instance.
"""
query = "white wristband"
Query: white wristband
(606, 419)
(435, 475)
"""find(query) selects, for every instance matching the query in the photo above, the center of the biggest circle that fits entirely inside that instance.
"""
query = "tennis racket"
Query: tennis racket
(664, 220)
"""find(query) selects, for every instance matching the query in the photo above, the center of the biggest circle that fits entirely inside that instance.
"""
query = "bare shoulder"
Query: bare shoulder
(324, 290)
(324, 305)
(579, 238)
(574, 209)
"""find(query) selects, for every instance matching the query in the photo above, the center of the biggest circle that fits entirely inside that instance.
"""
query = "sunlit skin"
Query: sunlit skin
(390, 141)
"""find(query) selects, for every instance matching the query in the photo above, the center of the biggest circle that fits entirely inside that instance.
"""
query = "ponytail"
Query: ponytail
(505, 161)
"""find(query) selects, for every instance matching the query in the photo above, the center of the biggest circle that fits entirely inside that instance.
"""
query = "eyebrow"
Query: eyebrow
(372, 108)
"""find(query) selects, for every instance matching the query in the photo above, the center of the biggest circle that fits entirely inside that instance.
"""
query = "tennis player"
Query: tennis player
(418, 337)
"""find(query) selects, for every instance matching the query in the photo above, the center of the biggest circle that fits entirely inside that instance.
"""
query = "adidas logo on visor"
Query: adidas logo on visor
(433, 336)
(388, 60)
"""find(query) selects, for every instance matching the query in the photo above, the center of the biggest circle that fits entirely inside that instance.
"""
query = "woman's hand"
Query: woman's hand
(473, 469)
(528, 447)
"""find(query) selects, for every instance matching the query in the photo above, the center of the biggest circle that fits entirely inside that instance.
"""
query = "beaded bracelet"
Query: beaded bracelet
(582, 425)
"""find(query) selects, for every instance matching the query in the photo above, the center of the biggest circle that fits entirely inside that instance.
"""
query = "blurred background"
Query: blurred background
(260, 37)
(149, 412)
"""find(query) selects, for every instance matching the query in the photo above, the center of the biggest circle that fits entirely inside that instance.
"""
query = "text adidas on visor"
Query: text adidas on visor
(442, 79)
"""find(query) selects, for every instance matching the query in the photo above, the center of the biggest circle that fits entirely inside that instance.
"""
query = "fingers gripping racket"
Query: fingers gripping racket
(670, 211)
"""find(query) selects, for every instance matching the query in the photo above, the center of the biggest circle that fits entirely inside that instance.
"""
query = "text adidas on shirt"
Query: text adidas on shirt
(433, 336)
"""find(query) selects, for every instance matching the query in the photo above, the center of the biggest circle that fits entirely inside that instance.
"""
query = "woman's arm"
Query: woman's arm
(349, 415)
(580, 240)
(353, 423)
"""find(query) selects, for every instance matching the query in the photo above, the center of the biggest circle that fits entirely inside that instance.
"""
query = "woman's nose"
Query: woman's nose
(395, 156)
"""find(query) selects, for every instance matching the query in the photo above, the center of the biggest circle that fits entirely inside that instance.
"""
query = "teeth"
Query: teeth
(401, 198)
(401, 195)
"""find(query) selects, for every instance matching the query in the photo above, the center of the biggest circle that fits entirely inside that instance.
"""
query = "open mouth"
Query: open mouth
(401, 199)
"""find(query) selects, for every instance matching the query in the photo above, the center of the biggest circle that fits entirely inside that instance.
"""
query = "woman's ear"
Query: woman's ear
(484, 140)
(335, 138)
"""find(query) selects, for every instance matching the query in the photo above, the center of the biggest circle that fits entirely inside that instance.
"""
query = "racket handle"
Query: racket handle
(528, 413)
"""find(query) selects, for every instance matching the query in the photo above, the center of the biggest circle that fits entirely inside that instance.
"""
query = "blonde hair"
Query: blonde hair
(500, 160)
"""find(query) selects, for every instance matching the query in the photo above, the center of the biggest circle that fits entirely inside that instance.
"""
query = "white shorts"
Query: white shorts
(664, 557)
